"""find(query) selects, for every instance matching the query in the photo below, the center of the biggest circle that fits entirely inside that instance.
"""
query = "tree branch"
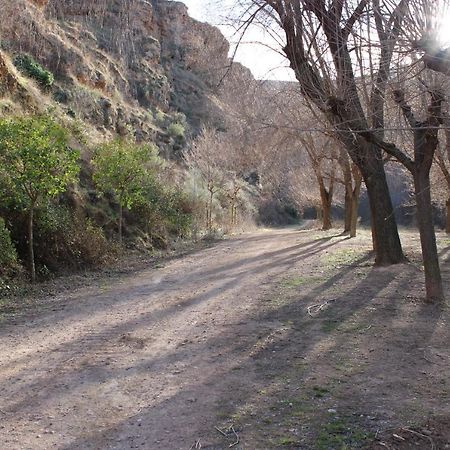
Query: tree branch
(354, 17)
(399, 98)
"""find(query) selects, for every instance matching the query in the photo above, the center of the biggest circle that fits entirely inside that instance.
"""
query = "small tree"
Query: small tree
(208, 156)
(37, 162)
(122, 167)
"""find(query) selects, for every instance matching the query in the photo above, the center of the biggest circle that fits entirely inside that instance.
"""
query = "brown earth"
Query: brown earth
(277, 339)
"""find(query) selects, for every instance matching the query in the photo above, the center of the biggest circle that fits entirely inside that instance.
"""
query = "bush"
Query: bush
(275, 213)
(88, 245)
(176, 130)
(160, 117)
(122, 168)
(29, 67)
(67, 240)
(164, 213)
(8, 254)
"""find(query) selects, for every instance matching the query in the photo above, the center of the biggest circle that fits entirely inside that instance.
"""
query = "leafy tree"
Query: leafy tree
(122, 168)
(8, 254)
(37, 163)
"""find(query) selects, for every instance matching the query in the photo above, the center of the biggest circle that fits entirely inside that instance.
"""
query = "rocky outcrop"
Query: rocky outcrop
(14, 96)
(118, 64)
(8, 83)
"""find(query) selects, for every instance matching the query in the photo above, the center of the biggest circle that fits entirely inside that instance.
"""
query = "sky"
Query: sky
(253, 50)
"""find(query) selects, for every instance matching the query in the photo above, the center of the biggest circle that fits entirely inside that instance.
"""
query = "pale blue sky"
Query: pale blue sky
(262, 61)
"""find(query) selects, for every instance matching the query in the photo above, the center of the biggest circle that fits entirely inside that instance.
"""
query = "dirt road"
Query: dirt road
(141, 363)
(158, 359)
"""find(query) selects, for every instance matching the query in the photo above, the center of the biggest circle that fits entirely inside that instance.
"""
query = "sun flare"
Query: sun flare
(443, 26)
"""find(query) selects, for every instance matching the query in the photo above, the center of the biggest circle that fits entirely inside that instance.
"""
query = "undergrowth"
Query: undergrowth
(29, 67)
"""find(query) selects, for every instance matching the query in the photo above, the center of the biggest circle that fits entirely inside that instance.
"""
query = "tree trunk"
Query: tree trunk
(211, 193)
(326, 216)
(234, 219)
(207, 214)
(319, 213)
(387, 246)
(433, 280)
(354, 208)
(326, 201)
(348, 207)
(31, 244)
(120, 221)
(346, 168)
(356, 191)
(447, 228)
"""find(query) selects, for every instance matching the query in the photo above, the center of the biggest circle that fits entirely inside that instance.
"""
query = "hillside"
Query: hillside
(119, 66)
(135, 69)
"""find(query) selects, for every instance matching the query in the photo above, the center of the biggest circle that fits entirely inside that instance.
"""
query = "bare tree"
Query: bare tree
(320, 37)
(425, 145)
(208, 156)
(442, 159)
(322, 42)
(306, 131)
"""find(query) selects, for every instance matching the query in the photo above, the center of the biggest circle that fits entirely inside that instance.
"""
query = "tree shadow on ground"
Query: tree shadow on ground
(278, 372)
(263, 355)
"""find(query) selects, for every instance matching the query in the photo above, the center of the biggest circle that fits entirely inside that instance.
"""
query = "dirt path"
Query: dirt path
(224, 336)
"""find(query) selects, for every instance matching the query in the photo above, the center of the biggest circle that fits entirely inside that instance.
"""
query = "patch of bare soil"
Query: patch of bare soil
(278, 339)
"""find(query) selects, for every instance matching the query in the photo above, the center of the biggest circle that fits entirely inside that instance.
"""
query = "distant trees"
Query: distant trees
(314, 159)
(323, 160)
(37, 163)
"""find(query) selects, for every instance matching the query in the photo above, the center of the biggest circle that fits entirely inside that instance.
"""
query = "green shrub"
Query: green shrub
(67, 240)
(164, 213)
(88, 245)
(29, 67)
(176, 130)
(8, 254)
(160, 117)
(176, 212)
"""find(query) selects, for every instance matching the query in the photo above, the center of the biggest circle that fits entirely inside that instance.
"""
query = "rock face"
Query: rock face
(120, 65)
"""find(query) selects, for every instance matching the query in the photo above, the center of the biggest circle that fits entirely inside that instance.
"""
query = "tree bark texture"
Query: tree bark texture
(387, 245)
(433, 280)
(31, 244)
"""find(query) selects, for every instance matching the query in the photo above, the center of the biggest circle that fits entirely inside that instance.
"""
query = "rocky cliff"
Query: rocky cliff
(120, 66)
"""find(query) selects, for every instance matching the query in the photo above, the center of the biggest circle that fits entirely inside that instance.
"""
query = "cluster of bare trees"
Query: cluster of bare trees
(354, 59)
(213, 161)
(262, 137)
(324, 174)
